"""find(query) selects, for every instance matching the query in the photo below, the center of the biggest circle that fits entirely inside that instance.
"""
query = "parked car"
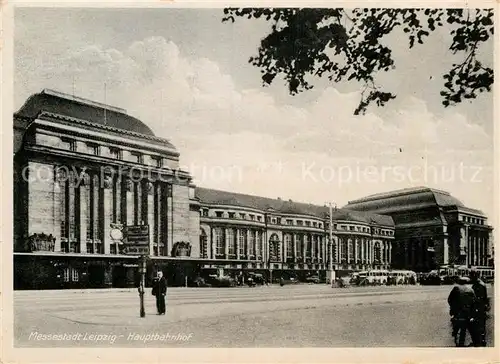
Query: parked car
(198, 282)
(288, 280)
(223, 281)
(313, 279)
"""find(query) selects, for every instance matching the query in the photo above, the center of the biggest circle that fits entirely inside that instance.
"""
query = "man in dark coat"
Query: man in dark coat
(481, 306)
(160, 291)
(462, 303)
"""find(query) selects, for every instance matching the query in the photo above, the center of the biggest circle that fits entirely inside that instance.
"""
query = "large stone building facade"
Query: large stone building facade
(433, 228)
(85, 171)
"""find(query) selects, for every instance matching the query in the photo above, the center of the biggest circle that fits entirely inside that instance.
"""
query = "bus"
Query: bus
(402, 277)
(372, 277)
(487, 274)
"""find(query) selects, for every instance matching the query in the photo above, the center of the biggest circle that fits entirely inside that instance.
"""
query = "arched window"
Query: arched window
(274, 252)
(203, 244)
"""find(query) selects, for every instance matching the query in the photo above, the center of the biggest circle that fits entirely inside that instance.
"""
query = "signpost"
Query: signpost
(137, 243)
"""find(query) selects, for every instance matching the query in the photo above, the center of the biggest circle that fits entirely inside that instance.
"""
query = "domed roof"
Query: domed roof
(79, 108)
(409, 198)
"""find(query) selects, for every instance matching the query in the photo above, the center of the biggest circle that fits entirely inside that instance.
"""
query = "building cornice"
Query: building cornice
(50, 117)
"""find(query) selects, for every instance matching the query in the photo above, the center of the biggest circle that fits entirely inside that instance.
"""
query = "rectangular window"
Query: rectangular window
(258, 237)
(157, 161)
(66, 275)
(205, 212)
(300, 222)
(88, 218)
(74, 275)
(219, 213)
(136, 157)
(315, 224)
(219, 241)
(69, 144)
(242, 216)
(92, 149)
(289, 222)
(71, 208)
(63, 183)
(308, 223)
(278, 220)
(289, 245)
(251, 243)
(252, 217)
(231, 242)
(243, 240)
(231, 215)
(115, 153)
(259, 218)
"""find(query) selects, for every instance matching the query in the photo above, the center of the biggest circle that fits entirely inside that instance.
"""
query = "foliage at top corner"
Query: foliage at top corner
(346, 45)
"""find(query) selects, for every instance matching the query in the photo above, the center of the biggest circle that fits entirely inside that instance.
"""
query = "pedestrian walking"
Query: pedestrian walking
(462, 304)
(481, 307)
(160, 291)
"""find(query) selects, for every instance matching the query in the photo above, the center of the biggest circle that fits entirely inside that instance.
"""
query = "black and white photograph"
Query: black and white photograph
(253, 177)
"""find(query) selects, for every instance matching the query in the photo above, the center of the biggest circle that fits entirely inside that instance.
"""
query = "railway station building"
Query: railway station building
(85, 173)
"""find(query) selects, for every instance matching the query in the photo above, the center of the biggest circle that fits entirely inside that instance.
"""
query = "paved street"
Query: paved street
(290, 316)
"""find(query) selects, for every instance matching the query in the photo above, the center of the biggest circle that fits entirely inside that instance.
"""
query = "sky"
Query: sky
(186, 74)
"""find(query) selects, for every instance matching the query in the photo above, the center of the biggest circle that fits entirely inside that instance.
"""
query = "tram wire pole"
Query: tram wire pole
(142, 270)
(330, 254)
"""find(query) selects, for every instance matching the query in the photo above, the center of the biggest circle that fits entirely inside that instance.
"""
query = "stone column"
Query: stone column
(313, 246)
(108, 206)
(349, 241)
(362, 249)
(480, 249)
(340, 249)
(130, 206)
(212, 242)
(237, 237)
(84, 197)
(389, 257)
(226, 244)
(58, 177)
(304, 246)
(151, 195)
(258, 247)
(285, 248)
(247, 245)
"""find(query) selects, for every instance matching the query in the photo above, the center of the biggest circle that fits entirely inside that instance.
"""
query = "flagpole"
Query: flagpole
(105, 103)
